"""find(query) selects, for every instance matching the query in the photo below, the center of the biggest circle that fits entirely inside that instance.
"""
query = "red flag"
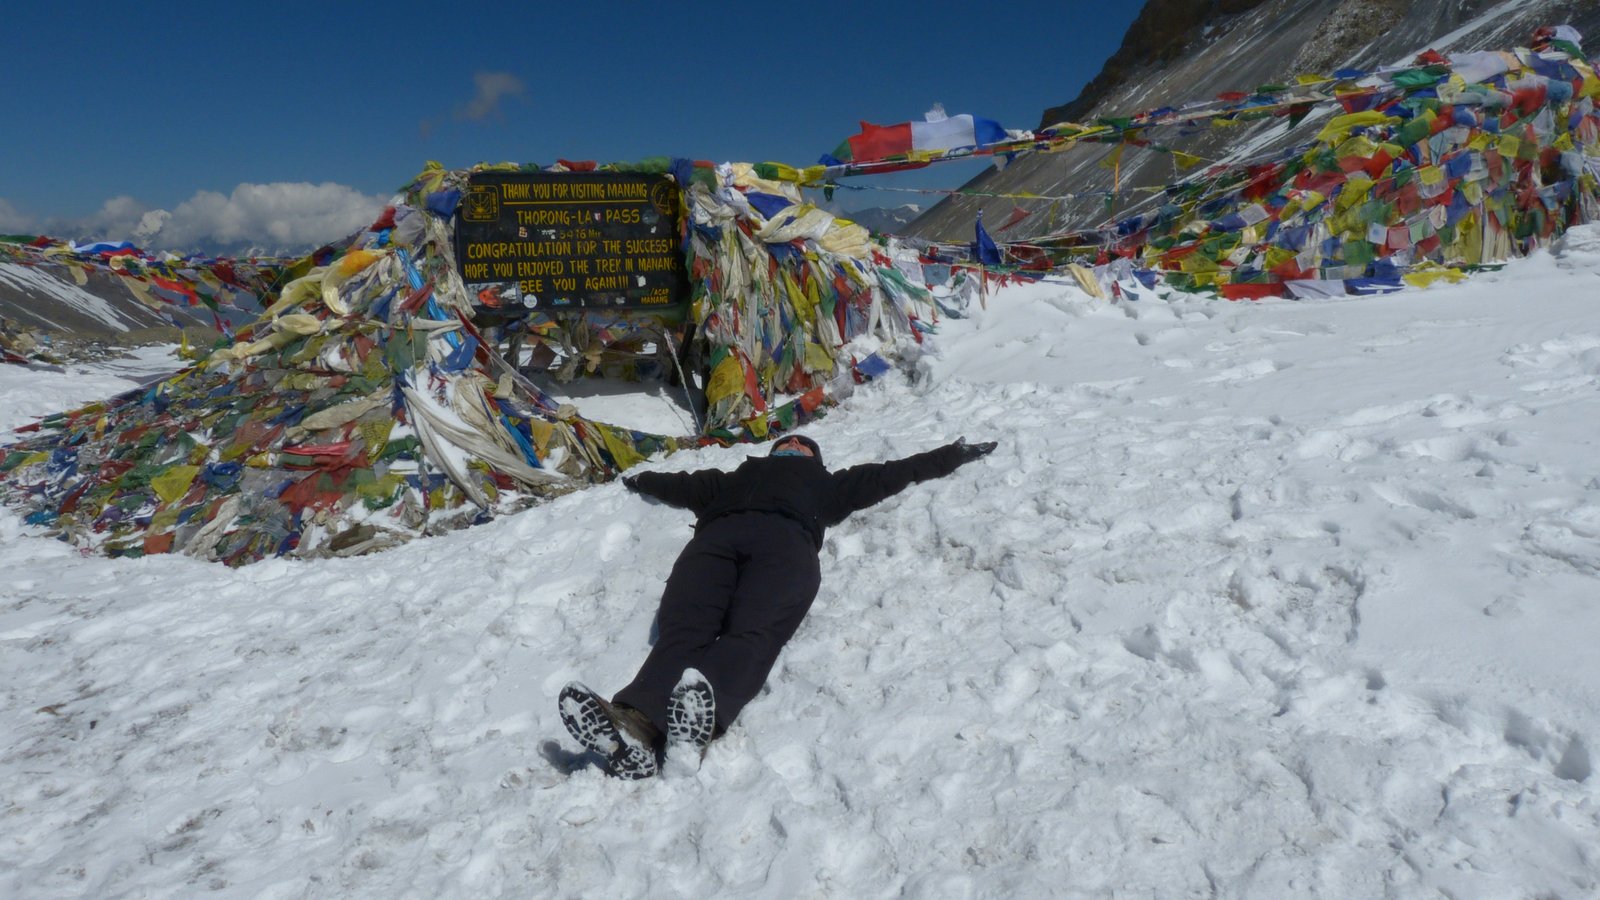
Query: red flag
(1017, 215)
(879, 141)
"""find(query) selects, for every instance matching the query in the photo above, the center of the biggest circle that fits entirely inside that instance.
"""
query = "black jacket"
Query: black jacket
(795, 486)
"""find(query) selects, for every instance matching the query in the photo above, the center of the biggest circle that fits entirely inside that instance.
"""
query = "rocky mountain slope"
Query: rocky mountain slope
(1186, 50)
(49, 303)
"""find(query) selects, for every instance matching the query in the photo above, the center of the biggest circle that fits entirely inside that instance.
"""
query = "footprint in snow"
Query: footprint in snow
(1250, 371)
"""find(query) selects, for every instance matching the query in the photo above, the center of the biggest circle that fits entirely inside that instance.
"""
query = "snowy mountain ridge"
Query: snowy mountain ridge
(885, 220)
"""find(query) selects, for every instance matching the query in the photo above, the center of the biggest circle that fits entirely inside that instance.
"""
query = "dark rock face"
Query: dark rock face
(1187, 50)
(1161, 34)
(46, 298)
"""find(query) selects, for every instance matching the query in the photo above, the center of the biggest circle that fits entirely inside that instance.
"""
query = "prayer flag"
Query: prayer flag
(937, 133)
(985, 249)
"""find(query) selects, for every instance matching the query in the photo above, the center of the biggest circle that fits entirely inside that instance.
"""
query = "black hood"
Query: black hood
(816, 452)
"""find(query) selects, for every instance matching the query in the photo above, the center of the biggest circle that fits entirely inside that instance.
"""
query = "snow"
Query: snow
(1277, 599)
(28, 392)
(643, 406)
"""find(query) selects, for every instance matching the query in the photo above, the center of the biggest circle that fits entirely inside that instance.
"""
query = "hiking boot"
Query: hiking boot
(623, 735)
(692, 712)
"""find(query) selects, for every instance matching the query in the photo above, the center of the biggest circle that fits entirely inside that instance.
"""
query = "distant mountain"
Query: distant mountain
(154, 233)
(885, 220)
(1187, 50)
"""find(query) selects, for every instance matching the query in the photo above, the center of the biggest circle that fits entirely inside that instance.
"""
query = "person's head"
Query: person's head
(796, 445)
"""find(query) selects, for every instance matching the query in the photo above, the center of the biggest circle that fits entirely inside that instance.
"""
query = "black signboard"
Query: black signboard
(573, 240)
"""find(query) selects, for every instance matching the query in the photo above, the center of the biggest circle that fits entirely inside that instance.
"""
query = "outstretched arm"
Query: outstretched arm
(689, 490)
(859, 487)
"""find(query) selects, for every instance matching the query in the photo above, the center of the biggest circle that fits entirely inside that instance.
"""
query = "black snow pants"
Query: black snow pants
(735, 596)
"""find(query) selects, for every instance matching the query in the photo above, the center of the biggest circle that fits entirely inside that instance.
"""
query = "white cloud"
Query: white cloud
(492, 88)
(278, 214)
(282, 217)
(12, 220)
(118, 216)
(278, 217)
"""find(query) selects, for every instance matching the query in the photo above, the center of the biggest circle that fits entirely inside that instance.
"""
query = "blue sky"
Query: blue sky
(317, 108)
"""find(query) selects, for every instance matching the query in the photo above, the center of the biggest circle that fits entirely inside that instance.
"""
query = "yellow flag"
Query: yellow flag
(355, 261)
(172, 484)
(1427, 277)
(376, 436)
(142, 291)
(622, 449)
(818, 359)
(1338, 128)
(1087, 281)
(1277, 256)
(1591, 84)
(542, 432)
(727, 379)
(33, 459)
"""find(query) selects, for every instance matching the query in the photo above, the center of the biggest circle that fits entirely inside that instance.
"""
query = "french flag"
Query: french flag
(937, 132)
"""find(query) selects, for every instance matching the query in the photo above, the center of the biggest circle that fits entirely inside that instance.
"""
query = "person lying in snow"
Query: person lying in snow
(736, 594)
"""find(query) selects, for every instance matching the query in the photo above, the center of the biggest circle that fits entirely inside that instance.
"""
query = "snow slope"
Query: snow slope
(1254, 600)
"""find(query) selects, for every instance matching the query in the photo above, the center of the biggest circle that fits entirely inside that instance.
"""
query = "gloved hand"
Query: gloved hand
(966, 452)
(631, 482)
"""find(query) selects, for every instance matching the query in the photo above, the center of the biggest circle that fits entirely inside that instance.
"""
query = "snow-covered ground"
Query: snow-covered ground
(1288, 599)
(26, 393)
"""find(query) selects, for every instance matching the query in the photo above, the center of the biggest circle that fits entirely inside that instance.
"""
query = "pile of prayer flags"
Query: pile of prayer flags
(364, 407)
(1418, 173)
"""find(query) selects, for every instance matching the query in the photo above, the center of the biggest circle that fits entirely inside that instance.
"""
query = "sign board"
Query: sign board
(573, 240)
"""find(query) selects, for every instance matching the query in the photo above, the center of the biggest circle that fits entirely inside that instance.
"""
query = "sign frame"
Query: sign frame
(571, 241)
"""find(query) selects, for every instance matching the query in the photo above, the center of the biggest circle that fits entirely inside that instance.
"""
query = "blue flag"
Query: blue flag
(984, 248)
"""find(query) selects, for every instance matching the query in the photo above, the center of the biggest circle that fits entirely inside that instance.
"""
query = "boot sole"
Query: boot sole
(692, 712)
(589, 719)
